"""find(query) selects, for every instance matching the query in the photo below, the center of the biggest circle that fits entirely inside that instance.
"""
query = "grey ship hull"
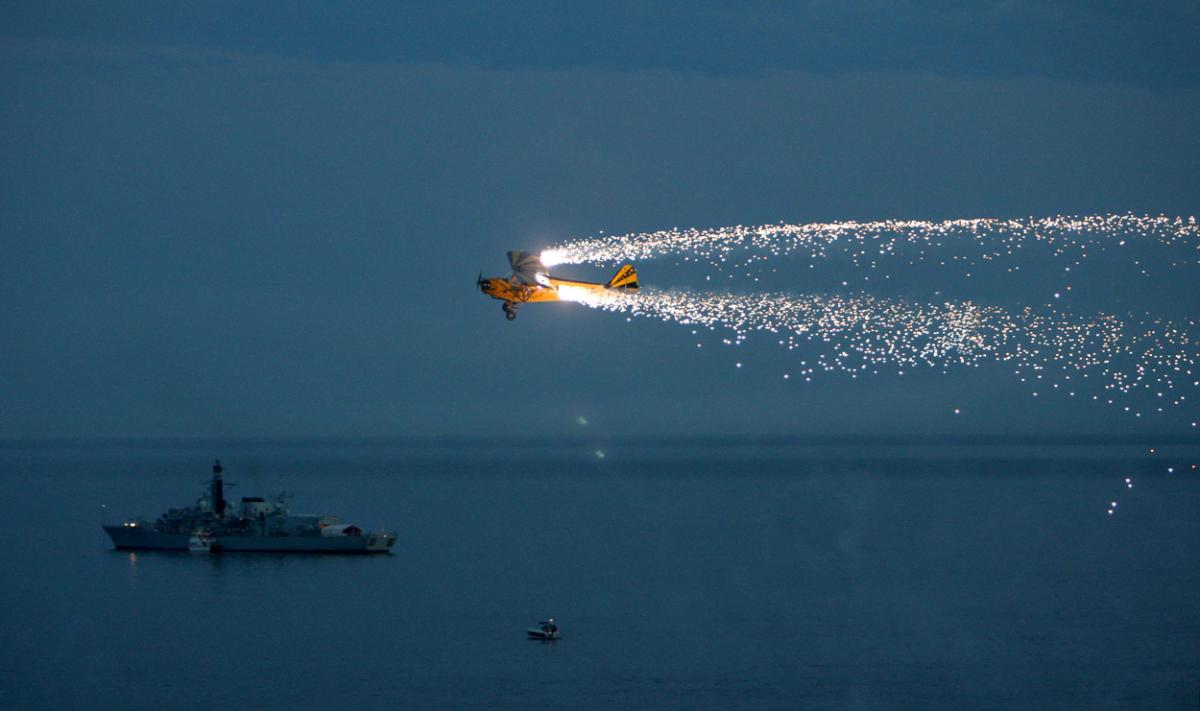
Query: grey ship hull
(145, 538)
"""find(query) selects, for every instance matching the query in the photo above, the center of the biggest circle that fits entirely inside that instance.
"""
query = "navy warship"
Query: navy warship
(258, 525)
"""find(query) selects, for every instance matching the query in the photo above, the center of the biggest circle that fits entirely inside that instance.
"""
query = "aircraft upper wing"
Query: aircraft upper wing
(528, 268)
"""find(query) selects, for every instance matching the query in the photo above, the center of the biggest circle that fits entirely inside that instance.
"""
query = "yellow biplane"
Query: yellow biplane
(531, 282)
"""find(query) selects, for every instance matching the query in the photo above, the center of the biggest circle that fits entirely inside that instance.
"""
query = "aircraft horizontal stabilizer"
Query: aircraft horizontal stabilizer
(626, 278)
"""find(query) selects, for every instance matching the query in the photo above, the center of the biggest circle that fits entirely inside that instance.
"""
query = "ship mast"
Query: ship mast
(218, 490)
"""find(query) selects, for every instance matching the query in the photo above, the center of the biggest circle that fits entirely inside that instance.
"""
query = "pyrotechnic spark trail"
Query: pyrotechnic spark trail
(865, 242)
(1101, 356)
(1137, 365)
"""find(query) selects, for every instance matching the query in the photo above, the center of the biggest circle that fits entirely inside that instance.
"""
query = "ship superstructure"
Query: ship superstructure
(257, 524)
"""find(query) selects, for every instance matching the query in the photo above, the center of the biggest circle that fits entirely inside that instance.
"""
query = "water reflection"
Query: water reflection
(133, 576)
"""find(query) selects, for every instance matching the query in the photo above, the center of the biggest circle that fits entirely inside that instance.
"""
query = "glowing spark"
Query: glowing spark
(995, 238)
(862, 333)
(1118, 360)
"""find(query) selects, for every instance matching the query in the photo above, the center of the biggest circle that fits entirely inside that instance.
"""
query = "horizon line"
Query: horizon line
(773, 439)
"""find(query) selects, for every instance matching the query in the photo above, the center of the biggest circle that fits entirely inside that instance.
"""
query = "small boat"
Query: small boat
(546, 630)
(201, 542)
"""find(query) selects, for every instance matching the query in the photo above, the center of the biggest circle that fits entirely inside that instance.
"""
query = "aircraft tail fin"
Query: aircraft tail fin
(626, 278)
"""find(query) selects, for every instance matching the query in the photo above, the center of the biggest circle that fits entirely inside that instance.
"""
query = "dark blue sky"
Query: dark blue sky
(1150, 44)
(229, 221)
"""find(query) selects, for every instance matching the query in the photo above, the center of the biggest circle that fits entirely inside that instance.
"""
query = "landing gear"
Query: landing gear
(510, 310)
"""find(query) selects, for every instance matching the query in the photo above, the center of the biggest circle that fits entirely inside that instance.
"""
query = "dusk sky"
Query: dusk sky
(232, 220)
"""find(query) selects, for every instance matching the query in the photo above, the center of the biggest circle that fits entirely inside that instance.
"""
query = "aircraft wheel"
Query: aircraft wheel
(510, 315)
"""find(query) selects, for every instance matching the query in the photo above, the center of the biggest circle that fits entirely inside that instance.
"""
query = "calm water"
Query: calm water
(720, 576)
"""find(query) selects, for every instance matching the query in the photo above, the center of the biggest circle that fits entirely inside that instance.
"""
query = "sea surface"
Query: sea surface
(684, 574)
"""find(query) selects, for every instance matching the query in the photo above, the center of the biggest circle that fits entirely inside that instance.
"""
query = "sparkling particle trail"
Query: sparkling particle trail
(1135, 364)
(860, 334)
(866, 242)
(1109, 359)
